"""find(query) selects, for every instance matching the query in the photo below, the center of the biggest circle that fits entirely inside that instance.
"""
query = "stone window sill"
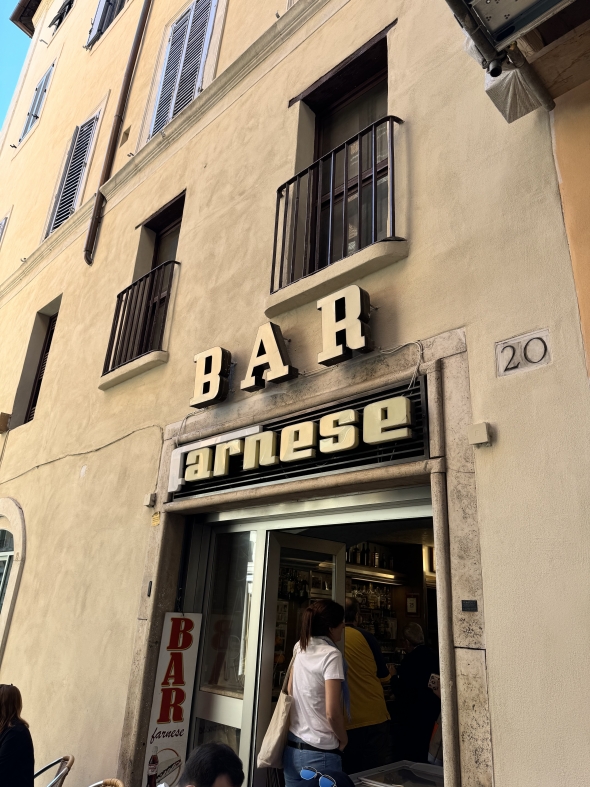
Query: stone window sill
(340, 274)
(133, 368)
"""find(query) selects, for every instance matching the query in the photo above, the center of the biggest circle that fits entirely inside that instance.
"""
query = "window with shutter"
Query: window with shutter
(41, 369)
(37, 102)
(105, 13)
(182, 75)
(58, 19)
(68, 192)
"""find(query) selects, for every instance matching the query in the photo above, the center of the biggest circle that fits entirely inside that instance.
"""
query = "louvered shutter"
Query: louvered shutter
(37, 103)
(171, 73)
(68, 192)
(183, 69)
(97, 23)
(3, 224)
(41, 370)
(193, 61)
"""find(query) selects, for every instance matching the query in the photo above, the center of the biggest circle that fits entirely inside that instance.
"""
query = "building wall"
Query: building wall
(571, 118)
(480, 204)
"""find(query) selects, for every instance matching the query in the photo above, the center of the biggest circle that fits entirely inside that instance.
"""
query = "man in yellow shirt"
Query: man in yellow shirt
(369, 731)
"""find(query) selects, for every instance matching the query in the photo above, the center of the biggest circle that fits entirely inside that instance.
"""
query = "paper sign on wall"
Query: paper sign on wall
(170, 718)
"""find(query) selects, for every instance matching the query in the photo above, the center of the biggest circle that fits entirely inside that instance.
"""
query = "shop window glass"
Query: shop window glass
(6, 557)
(212, 732)
(228, 619)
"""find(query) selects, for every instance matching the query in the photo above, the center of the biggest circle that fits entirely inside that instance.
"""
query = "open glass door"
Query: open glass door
(298, 570)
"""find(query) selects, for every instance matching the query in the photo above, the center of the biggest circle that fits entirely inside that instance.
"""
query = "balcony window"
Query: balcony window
(340, 204)
(140, 317)
(344, 200)
(140, 314)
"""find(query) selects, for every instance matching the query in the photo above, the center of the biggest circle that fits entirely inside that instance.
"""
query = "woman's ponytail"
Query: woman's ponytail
(318, 619)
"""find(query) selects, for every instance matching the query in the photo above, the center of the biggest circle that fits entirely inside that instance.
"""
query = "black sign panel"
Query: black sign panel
(364, 456)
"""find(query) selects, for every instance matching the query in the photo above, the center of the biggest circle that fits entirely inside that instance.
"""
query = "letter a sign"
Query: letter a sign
(167, 741)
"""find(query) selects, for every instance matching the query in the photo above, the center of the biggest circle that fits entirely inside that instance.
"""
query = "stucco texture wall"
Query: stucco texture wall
(70, 643)
(480, 204)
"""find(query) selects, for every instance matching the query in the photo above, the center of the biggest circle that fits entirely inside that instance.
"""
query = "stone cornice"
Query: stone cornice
(73, 227)
(292, 21)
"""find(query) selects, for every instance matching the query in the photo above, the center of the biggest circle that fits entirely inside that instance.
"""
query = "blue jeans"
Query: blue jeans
(296, 759)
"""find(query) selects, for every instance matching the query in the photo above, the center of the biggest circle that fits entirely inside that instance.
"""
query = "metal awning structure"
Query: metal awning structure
(503, 21)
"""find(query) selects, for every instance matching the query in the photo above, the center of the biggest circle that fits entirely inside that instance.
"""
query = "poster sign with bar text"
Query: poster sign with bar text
(170, 718)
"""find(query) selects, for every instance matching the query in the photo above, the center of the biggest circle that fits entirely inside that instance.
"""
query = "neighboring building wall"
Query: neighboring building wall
(480, 204)
(572, 154)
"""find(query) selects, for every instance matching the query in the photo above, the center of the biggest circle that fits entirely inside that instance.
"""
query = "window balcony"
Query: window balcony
(339, 205)
(140, 318)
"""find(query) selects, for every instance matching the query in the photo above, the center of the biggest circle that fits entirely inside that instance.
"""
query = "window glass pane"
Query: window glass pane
(211, 731)
(341, 124)
(5, 564)
(226, 631)
(166, 245)
(6, 541)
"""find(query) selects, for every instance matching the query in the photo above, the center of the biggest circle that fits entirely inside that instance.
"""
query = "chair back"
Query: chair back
(64, 766)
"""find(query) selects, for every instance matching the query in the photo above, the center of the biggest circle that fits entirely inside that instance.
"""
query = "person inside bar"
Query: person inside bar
(417, 706)
(369, 734)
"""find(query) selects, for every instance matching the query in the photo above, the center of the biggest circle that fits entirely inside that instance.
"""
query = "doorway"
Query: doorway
(253, 572)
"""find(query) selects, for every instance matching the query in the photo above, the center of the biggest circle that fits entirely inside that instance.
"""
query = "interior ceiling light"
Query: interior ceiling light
(506, 20)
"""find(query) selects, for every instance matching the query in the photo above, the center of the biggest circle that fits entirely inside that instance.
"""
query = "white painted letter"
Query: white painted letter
(339, 431)
(222, 454)
(345, 318)
(198, 464)
(270, 354)
(211, 378)
(260, 449)
(298, 441)
(382, 420)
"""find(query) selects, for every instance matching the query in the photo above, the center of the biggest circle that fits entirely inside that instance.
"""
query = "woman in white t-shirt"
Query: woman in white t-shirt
(317, 734)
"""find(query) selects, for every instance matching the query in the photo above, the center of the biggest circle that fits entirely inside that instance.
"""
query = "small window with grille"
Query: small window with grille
(106, 13)
(70, 186)
(182, 74)
(37, 103)
(35, 365)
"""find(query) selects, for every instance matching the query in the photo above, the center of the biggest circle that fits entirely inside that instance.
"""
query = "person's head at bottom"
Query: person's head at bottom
(212, 765)
(11, 705)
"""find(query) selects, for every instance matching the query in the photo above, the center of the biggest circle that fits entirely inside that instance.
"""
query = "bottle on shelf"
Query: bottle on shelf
(376, 559)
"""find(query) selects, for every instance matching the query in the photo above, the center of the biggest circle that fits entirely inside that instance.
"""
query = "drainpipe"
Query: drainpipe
(473, 29)
(114, 136)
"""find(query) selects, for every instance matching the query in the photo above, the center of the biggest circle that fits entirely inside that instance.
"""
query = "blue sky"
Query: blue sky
(13, 49)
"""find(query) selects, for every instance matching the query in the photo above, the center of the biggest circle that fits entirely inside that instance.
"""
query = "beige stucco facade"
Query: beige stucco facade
(488, 259)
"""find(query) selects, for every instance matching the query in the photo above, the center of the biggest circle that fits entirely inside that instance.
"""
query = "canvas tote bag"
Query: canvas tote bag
(271, 751)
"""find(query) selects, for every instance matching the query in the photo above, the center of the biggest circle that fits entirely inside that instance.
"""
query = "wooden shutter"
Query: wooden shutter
(68, 192)
(171, 72)
(193, 61)
(41, 369)
(183, 68)
(37, 103)
(97, 28)
(105, 13)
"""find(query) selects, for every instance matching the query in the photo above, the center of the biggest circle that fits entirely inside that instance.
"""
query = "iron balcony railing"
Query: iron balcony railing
(140, 317)
(340, 204)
